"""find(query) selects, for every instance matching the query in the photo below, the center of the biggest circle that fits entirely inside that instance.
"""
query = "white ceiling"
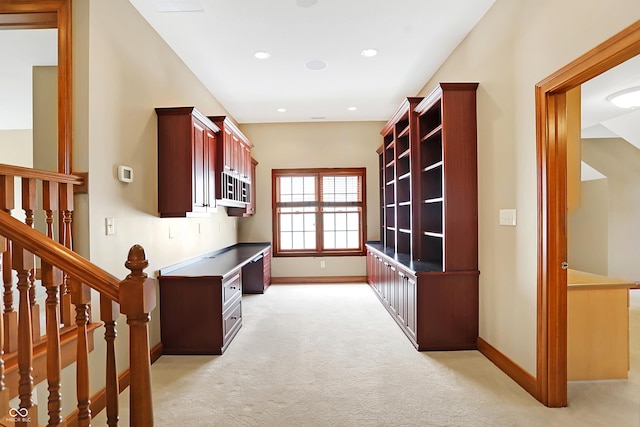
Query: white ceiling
(332, 30)
(413, 38)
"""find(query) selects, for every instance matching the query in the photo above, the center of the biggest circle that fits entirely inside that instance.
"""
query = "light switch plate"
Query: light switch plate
(110, 226)
(508, 217)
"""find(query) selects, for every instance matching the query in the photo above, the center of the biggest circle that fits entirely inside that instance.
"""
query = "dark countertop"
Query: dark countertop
(405, 259)
(216, 264)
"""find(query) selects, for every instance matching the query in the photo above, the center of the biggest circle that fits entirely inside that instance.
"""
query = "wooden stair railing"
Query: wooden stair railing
(65, 275)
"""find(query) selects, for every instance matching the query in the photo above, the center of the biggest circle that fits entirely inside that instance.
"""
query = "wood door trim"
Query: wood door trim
(30, 14)
(551, 134)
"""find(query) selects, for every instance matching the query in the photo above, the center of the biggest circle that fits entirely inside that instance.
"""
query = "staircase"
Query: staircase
(40, 266)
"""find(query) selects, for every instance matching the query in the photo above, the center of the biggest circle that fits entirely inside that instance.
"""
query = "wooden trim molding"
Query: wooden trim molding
(298, 280)
(551, 151)
(34, 14)
(508, 366)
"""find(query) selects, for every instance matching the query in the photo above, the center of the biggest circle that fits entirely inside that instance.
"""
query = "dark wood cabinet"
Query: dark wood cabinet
(234, 164)
(425, 267)
(186, 162)
(201, 299)
(250, 208)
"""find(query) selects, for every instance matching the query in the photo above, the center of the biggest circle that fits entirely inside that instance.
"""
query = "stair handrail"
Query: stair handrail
(55, 253)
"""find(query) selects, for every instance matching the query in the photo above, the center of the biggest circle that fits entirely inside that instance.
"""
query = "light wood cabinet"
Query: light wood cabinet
(186, 162)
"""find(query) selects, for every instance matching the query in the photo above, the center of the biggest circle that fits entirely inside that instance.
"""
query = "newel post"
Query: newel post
(137, 299)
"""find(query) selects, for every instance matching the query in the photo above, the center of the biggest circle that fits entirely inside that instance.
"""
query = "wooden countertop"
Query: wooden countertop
(582, 280)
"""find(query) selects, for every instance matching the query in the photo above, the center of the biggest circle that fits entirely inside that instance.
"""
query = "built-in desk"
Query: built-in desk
(201, 299)
(597, 326)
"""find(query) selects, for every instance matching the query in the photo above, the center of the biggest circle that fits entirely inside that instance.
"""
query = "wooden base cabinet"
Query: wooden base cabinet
(436, 310)
(200, 315)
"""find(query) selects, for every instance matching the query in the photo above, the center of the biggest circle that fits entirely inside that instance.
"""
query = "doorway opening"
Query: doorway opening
(551, 139)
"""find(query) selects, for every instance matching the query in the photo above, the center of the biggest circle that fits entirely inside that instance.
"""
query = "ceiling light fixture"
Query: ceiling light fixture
(261, 54)
(628, 98)
(315, 65)
(281, 110)
(352, 108)
(369, 52)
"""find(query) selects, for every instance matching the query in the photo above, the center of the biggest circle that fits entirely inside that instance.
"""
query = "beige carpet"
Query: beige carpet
(330, 355)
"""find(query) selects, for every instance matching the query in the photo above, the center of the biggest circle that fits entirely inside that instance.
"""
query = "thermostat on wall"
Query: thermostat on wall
(125, 173)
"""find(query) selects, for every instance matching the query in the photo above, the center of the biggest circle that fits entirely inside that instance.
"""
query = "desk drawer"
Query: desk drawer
(231, 287)
(232, 320)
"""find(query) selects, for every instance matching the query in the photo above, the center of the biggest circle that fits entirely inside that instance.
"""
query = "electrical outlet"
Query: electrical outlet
(172, 232)
(508, 217)
(322, 265)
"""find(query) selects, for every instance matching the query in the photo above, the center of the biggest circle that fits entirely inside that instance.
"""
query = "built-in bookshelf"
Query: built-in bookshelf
(425, 267)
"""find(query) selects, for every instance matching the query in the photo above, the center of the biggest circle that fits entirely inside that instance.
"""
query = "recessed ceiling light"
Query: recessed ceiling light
(315, 65)
(352, 108)
(281, 110)
(628, 98)
(261, 54)
(369, 52)
(178, 5)
(318, 117)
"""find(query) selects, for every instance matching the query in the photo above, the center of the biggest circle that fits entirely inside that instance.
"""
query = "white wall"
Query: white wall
(122, 71)
(515, 46)
(307, 145)
(620, 162)
(588, 229)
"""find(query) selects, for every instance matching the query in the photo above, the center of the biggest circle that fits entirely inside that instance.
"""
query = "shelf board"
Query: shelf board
(405, 153)
(403, 132)
(434, 200)
(432, 166)
(435, 131)
(392, 182)
(404, 230)
(404, 176)
(391, 163)
(407, 203)
(432, 234)
(391, 229)
(389, 145)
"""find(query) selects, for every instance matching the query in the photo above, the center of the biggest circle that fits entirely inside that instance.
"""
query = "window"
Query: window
(318, 212)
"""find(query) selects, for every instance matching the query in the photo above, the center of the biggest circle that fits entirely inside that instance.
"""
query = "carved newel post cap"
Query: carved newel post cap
(136, 262)
(137, 291)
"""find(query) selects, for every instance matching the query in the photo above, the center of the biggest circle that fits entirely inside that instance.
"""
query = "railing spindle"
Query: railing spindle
(51, 284)
(7, 201)
(49, 205)
(23, 263)
(29, 205)
(81, 297)
(109, 312)
(137, 299)
(66, 206)
(4, 391)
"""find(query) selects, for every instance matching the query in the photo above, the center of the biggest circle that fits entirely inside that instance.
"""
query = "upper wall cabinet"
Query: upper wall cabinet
(186, 162)
(234, 164)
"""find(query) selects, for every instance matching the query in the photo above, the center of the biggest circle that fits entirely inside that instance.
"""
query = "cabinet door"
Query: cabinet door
(411, 298)
(227, 149)
(210, 145)
(200, 167)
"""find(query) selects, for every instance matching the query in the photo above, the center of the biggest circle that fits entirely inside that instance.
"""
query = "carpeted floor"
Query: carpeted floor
(330, 355)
